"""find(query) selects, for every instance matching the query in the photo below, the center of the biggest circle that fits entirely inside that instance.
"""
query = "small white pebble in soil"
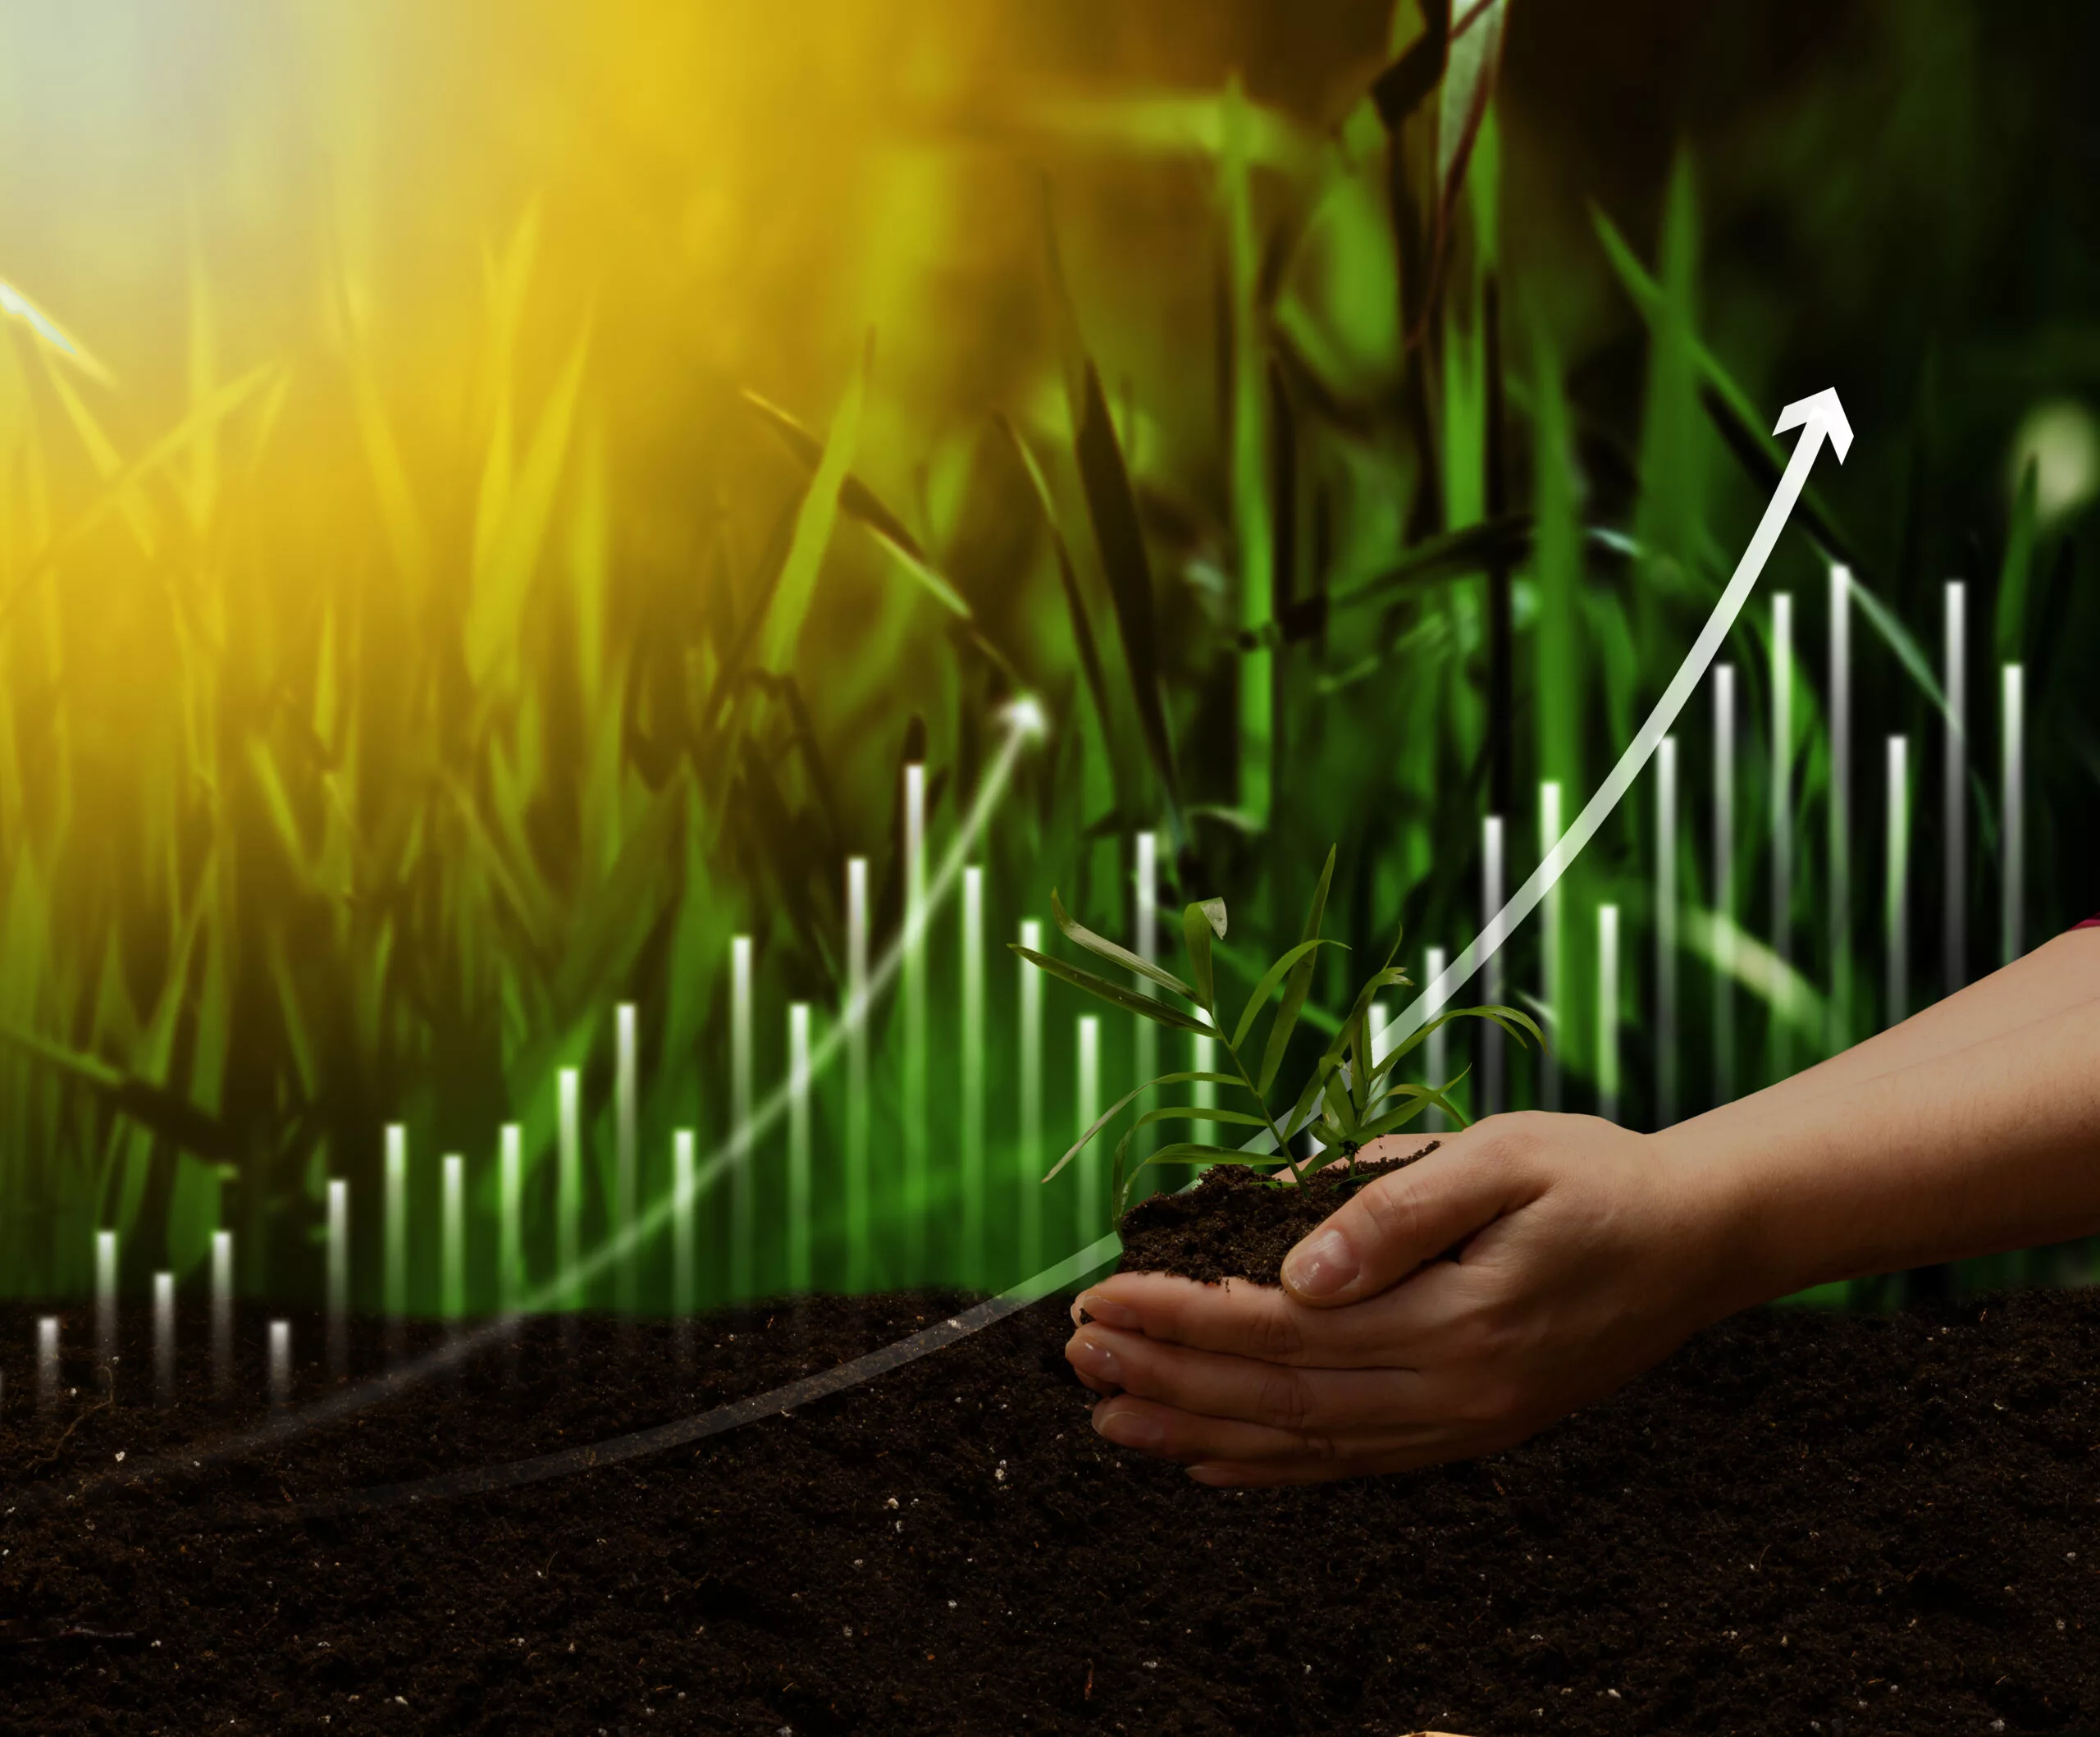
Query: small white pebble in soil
(119, 1457)
(2070, 1555)
(1612, 1693)
(2060, 1624)
(1152, 1664)
(849, 1631)
(952, 1607)
(890, 1503)
(857, 1562)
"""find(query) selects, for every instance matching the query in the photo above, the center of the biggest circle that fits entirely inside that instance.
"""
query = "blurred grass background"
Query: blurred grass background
(425, 619)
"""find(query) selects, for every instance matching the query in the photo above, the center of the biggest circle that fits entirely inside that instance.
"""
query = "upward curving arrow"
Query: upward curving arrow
(1820, 418)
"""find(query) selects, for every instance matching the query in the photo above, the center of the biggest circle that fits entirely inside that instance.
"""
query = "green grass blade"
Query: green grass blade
(790, 603)
(2015, 575)
(1119, 539)
(167, 1113)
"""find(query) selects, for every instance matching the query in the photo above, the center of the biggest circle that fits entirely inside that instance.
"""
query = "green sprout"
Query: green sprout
(1348, 1088)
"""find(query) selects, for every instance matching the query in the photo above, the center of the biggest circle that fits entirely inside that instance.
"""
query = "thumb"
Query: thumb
(1393, 1225)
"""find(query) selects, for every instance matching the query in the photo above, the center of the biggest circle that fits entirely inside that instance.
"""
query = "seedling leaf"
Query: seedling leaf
(1116, 1109)
(1300, 983)
(1199, 924)
(1160, 1012)
(1271, 978)
(1107, 949)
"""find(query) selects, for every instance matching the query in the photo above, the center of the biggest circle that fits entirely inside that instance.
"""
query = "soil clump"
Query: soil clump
(1236, 1223)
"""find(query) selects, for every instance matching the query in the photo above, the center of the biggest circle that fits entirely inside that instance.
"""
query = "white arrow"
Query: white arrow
(1820, 418)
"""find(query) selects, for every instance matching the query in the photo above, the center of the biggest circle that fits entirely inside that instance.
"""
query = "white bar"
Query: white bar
(1608, 1074)
(1666, 932)
(1202, 1059)
(1144, 1035)
(1783, 779)
(395, 1206)
(1552, 958)
(1374, 1030)
(510, 1218)
(281, 1363)
(1030, 1159)
(222, 1312)
(1839, 898)
(106, 1305)
(858, 1121)
(971, 1046)
(338, 1258)
(1089, 1163)
(453, 1223)
(2012, 812)
(1148, 904)
(1724, 881)
(1436, 1046)
(800, 1274)
(568, 1183)
(743, 1200)
(627, 1161)
(47, 1362)
(164, 1338)
(1895, 888)
(1492, 1062)
(684, 1265)
(1954, 917)
(912, 989)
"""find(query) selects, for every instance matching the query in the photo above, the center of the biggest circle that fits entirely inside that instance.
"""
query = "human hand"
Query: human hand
(1585, 1254)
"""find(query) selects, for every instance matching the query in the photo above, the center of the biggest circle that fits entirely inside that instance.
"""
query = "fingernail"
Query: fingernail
(1107, 1311)
(1090, 1356)
(1218, 1477)
(1320, 1265)
(1129, 1429)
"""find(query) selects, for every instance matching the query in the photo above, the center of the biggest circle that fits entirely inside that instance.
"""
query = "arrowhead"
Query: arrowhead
(1823, 411)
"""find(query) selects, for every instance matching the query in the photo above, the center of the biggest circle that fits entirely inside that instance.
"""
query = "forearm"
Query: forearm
(2057, 977)
(1971, 1150)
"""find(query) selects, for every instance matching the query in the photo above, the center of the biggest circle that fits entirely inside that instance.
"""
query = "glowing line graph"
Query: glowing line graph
(1026, 724)
(1820, 418)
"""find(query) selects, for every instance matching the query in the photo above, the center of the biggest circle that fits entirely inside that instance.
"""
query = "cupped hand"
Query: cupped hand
(1584, 1254)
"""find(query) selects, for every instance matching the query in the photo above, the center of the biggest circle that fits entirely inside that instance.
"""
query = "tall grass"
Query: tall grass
(309, 826)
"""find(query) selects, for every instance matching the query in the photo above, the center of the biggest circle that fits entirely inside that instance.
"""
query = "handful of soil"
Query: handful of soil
(1236, 1224)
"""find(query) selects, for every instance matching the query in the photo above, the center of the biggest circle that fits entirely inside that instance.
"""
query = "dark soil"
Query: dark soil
(1236, 1223)
(1803, 1523)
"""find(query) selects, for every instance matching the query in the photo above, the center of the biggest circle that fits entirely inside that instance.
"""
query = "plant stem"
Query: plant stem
(1261, 1103)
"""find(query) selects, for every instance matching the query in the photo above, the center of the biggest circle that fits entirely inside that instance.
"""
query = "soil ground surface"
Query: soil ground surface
(1803, 1523)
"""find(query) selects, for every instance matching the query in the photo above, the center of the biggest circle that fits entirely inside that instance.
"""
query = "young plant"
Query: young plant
(1348, 1100)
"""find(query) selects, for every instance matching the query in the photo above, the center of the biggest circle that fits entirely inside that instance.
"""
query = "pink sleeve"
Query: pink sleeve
(2091, 922)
